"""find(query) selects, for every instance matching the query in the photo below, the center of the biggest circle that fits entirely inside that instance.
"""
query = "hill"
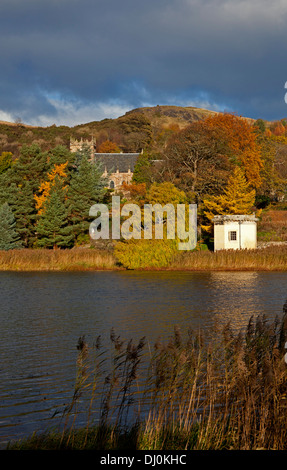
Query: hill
(131, 132)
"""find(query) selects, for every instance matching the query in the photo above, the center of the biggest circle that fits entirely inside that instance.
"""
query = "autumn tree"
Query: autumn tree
(237, 198)
(277, 128)
(195, 161)
(45, 187)
(239, 143)
(153, 252)
(165, 193)
(134, 191)
(109, 147)
(5, 161)
(202, 155)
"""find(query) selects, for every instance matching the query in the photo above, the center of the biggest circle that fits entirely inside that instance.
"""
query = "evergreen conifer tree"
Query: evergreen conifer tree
(9, 238)
(31, 167)
(21, 201)
(53, 229)
(87, 187)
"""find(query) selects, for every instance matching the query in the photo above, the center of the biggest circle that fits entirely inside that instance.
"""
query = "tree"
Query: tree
(9, 238)
(239, 142)
(20, 184)
(87, 187)
(5, 161)
(201, 157)
(165, 193)
(45, 187)
(31, 167)
(23, 206)
(53, 229)
(136, 131)
(237, 198)
(20, 198)
(109, 147)
(134, 191)
(59, 155)
(195, 160)
(146, 253)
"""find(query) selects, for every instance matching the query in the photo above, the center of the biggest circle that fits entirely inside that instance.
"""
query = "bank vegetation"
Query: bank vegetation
(271, 258)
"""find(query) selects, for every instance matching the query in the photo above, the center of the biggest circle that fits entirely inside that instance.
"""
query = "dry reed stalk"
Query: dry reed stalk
(55, 260)
(227, 393)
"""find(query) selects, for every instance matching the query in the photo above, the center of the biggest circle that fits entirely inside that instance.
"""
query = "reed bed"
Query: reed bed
(56, 260)
(188, 393)
(272, 258)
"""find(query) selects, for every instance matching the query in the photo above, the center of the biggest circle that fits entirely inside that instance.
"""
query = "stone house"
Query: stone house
(117, 167)
(235, 232)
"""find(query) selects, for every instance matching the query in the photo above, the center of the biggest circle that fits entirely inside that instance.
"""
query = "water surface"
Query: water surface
(43, 315)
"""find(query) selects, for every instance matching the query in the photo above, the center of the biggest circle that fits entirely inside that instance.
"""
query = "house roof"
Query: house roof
(220, 219)
(117, 161)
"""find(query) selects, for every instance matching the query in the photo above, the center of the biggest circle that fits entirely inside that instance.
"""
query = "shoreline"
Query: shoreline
(270, 259)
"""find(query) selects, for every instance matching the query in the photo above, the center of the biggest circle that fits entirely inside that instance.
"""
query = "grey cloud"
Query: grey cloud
(133, 51)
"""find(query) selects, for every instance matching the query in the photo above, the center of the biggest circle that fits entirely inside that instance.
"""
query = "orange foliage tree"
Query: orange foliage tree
(45, 186)
(109, 147)
(134, 191)
(239, 140)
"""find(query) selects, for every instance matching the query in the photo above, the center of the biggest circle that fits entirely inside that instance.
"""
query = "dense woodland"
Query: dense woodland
(222, 162)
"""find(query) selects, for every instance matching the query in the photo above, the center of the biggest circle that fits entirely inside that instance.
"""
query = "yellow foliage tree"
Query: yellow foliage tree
(45, 186)
(237, 198)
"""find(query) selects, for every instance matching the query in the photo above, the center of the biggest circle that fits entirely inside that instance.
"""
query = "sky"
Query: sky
(69, 62)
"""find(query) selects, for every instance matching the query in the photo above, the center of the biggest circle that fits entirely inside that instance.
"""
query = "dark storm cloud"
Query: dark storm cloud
(81, 54)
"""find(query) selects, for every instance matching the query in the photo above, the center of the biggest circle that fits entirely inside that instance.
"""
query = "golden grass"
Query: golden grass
(80, 259)
(273, 258)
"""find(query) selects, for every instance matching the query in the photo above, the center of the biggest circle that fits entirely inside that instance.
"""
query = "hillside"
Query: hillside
(132, 132)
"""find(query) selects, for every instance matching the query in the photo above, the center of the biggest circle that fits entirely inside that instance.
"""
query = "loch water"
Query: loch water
(43, 314)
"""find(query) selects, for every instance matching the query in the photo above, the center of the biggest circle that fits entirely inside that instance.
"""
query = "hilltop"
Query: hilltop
(132, 132)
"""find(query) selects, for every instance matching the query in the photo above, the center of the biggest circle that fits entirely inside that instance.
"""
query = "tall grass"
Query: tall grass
(268, 259)
(56, 260)
(190, 392)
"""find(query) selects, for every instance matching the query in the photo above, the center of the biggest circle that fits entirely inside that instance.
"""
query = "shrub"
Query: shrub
(141, 254)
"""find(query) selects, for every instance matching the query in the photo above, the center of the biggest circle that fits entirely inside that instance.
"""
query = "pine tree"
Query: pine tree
(9, 238)
(87, 187)
(53, 229)
(21, 201)
(31, 167)
(23, 207)
(237, 198)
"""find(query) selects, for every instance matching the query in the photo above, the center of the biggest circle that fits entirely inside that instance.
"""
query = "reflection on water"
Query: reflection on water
(43, 315)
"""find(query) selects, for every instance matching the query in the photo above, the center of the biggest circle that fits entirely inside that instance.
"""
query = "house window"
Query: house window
(112, 184)
(232, 235)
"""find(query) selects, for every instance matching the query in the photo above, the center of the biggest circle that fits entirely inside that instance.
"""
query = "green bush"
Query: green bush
(141, 254)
